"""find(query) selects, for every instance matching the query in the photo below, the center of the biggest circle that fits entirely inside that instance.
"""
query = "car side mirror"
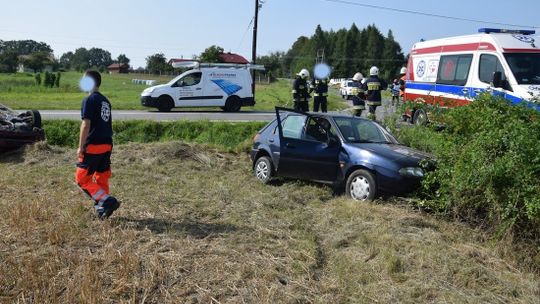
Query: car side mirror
(497, 79)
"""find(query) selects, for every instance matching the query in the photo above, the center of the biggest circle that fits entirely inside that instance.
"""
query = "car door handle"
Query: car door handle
(465, 91)
(290, 146)
(198, 89)
(271, 140)
(478, 91)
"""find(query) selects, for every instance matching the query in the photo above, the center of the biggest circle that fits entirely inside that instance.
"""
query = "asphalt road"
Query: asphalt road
(216, 115)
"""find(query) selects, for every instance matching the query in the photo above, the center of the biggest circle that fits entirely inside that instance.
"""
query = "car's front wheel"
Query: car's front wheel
(264, 170)
(361, 186)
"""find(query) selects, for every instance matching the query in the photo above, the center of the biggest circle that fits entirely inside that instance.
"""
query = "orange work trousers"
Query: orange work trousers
(93, 172)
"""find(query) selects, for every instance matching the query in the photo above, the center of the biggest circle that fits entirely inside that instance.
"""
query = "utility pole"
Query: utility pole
(254, 46)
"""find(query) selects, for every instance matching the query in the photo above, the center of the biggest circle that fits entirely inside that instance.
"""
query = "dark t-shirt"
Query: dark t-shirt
(97, 109)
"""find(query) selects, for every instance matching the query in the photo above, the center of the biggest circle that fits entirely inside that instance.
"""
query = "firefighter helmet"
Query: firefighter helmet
(403, 71)
(304, 73)
(374, 71)
(358, 77)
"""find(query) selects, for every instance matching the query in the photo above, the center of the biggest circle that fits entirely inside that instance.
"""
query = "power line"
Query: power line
(428, 14)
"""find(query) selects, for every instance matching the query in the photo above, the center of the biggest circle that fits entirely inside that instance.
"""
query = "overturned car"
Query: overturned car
(18, 129)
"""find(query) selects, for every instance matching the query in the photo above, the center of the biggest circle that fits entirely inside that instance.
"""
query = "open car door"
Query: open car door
(308, 150)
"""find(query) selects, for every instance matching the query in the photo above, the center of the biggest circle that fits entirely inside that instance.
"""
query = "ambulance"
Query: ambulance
(453, 71)
(224, 85)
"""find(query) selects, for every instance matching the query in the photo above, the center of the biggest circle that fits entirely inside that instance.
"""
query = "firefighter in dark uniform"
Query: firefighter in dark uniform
(358, 95)
(300, 92)
(373, 87)
(320, 89)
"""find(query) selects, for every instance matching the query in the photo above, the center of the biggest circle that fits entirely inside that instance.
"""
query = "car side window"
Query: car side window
(293, 126)
(489, 64)
(316, 129)
(190, 80)
(454, 69)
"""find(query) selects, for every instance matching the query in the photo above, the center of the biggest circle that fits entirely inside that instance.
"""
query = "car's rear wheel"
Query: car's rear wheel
(361, 186)
(233, 104)
(165, 103)
(264, 170)
(420, 117)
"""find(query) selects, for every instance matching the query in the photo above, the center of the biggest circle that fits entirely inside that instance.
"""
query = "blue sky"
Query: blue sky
(185, 27)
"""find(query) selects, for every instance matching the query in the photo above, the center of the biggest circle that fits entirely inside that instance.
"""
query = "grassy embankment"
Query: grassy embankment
(19, 91)
(195, 226)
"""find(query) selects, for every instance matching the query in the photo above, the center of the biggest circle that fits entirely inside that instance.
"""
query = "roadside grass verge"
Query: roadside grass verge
(19, 91)
(196, 227)
(225, 135)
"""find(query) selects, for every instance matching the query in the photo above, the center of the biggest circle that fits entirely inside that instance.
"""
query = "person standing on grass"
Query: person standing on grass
(95, 147)
(395, 92)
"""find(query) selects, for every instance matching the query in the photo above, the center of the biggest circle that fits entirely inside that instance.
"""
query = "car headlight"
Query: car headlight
(149, 90)
(412, 171)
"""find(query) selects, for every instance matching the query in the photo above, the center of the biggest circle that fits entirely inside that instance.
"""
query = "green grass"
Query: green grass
(195, 226)
(225, 135)
(19, 91)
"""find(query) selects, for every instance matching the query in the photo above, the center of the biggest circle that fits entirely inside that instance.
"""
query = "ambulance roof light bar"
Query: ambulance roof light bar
(505, 31)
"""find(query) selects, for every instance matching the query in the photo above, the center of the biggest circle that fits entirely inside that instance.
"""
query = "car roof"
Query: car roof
(329, 115)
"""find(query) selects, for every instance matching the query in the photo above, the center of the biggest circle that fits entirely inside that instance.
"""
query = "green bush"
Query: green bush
(37, 77)
(57, 79)
(225, 135)
(488, 164)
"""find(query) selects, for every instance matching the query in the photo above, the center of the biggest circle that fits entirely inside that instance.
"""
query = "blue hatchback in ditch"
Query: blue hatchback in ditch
(337, 149)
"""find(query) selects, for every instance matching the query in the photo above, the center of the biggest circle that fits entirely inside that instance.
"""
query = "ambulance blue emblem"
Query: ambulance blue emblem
(524, 38)
(421, 69)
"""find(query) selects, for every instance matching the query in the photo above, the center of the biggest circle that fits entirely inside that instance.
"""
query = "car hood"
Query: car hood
(393, 152)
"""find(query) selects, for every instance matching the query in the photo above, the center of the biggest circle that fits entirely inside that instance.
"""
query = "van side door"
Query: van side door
(189, 90)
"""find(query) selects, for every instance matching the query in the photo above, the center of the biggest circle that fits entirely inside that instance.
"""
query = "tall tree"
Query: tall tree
(99, 58)
(212, 54)
(157, 64)
(24, 47)
(66, 60)
(8, 62)
(122, 59)
(37, 61)
(81, 59)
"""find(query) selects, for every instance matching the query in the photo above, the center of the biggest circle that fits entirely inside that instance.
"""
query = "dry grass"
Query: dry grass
(195, 227)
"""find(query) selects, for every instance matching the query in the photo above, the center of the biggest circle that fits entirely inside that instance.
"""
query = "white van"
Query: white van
(228, 86)
(453, 71)
(346, 89)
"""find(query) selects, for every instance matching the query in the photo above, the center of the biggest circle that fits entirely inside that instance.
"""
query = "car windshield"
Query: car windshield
(351, 84)
(357, 130)
(525, 67)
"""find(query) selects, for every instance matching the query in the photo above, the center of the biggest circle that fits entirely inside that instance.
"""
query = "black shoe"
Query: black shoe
(113, 205)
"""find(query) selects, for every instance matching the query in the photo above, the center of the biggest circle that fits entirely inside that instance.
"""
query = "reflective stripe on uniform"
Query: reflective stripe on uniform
(321, 94)
(98, 194)
(373, 103)
(294, 91)
(103, 200)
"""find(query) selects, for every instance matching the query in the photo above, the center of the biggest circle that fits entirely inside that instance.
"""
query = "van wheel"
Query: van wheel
(233, 104)
(420, 118)
(361, 186)
(165, 103)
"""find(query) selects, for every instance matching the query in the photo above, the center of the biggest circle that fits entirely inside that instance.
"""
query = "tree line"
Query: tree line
(347, 51)
(38, 55)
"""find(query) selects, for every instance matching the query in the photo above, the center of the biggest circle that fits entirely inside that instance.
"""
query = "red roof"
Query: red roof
(233, 58)
(117, 66)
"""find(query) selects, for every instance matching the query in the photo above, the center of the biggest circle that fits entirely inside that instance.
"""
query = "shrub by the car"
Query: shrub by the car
(488, 164)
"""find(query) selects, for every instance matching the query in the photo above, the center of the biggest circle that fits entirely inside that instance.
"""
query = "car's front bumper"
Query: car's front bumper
(149, 101)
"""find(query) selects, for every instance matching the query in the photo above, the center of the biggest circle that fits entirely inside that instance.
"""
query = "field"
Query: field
(19, 91)
(195, 227)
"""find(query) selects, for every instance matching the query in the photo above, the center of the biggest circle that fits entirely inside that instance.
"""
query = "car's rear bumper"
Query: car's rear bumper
(149, 101)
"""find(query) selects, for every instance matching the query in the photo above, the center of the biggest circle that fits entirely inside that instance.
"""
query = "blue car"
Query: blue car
(336, 149)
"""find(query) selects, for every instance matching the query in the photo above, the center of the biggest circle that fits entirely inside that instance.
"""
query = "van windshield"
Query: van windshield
(525, 66)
